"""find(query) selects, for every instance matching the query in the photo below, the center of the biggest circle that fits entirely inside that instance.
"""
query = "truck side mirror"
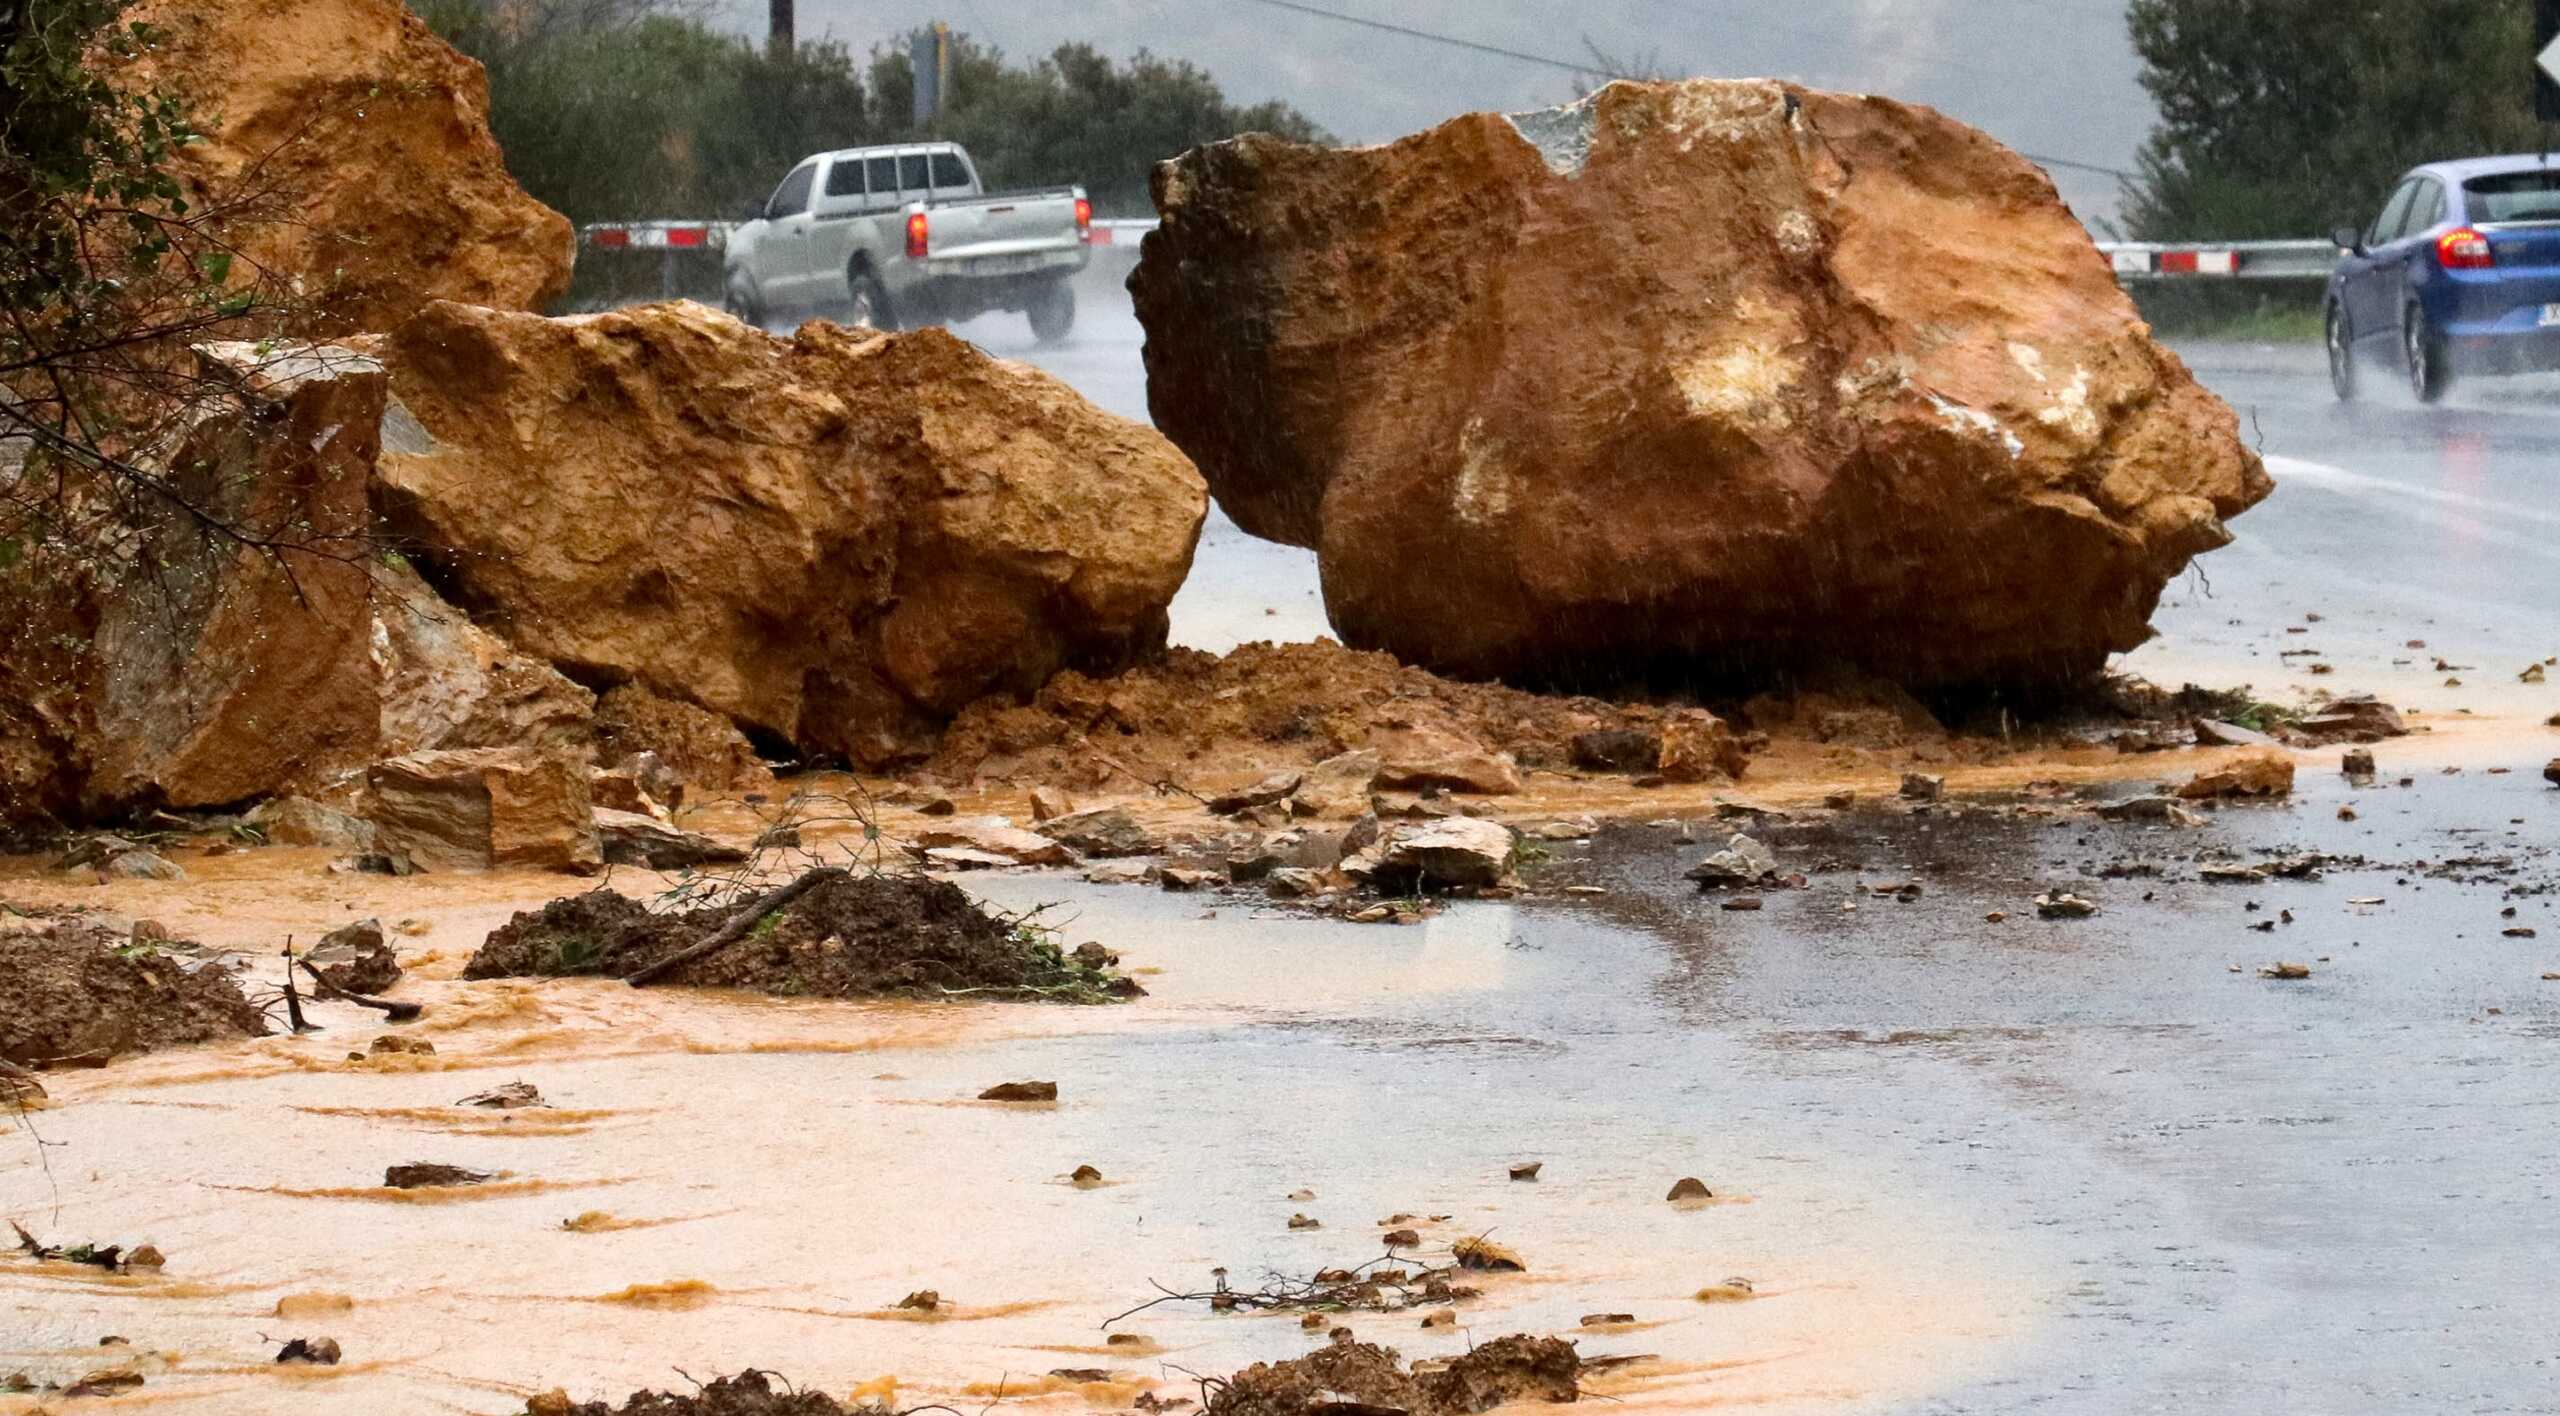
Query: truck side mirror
(2348, 239)
(752, 211)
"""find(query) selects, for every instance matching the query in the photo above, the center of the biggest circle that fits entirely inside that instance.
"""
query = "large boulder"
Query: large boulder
(836, 540)
(447, 683)
(366, 138)
(223, 652)
(1732, 374)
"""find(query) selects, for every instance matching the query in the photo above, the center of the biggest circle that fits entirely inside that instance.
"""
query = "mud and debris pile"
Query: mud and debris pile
(362, 141)
(1364, 1376)
(1723, 376)
(72, 991)
(835, 540)
(859, 936)
(1196, 717)
(750, 1393)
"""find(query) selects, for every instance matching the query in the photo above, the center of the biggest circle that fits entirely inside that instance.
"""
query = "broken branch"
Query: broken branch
(745, 919)
(394, 1011)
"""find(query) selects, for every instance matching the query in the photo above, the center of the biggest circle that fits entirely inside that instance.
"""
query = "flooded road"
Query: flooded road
(1969, 1165)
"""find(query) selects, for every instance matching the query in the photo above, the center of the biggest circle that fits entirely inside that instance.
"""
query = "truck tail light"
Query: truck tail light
(917, 236)
(1084, 220)
(2464, 249)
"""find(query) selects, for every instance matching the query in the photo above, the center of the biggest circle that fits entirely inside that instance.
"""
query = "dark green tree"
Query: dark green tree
(2288, 118)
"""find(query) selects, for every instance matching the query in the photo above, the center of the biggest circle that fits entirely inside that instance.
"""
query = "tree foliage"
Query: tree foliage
(2287, 118)
(108, 268)
(635, 109)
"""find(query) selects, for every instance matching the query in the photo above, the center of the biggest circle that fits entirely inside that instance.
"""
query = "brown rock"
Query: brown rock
(1276, 787)
(2551, 771)
(1338, 787)
(1419, 757)
(226, 674)
(1689, 1187)
(1697, 746)
(484, 808)
(1721, 371)
(1049, 803)
(691, 745)
(1103, 831)
(356, 958)
(838, 539)
(621, 789)
(630, 838)
(993, 835)
(1021, 1091)
(2360, 719)
(446, 683)
(377, 134)
(428, 1176)
(2262, 772)
(300, 821)
(1617, 750)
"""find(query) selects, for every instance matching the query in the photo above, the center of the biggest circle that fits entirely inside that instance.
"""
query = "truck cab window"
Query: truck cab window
(949, 171)
(844, 179)
(792, 197)
(884, 181)
(912, 176)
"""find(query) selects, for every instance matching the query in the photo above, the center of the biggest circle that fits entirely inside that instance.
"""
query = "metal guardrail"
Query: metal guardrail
(2229, 260)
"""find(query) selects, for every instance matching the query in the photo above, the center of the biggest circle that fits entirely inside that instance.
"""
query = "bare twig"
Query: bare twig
(745, 919)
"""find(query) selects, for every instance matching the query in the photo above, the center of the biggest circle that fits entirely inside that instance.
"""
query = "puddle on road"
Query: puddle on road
(735, 1181)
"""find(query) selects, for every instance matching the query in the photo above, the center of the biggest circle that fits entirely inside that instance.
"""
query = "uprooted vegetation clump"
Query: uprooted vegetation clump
(74, 992)
(1511, 1369)
(749, 1393)
(849, 936)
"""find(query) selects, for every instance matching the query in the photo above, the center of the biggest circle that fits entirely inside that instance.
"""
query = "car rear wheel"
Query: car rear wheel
(1053, 312)
(2342, 355)
(2429, 374)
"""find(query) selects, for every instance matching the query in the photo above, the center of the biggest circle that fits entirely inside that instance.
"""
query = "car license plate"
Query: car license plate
(2550, 316)
(1016, 265)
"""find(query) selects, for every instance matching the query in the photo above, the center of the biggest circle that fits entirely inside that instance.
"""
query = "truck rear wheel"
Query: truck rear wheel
(1052, 311)
(867, 302)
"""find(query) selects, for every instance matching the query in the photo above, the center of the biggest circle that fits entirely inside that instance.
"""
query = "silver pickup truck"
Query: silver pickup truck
(905, 236)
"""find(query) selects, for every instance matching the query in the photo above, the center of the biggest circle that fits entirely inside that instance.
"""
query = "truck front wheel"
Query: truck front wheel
(1052, 311)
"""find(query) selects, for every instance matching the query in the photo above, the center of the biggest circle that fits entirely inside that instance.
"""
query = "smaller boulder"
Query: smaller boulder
(1270, 790)
(1922, 786)
(509, 1097)
(1459, 853)
(300, 821)
(1417, 759)
(995, 836)
(2359, 719)
(1293, 883)
(1049, 803)
(1698, 746)
(1743, 861)
(1337, 788)
(1617, 750)
(1103, 831)
(139, 864)
(426, 1176)
(631, 838)
(484, 808)
(2265, 772)
(2551, 771)
(1020, 1091)
(319, 1351)
(356, 958)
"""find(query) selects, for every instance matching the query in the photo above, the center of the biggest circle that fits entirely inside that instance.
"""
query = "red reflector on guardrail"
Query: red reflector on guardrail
(687, 237)
(611, 238)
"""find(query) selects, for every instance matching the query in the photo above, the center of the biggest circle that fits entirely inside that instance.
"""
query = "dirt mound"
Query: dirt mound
(749, 1393)
(856, 937)
(1264, 705)
(1732, 377)
(71, 991)
(1516, 1368)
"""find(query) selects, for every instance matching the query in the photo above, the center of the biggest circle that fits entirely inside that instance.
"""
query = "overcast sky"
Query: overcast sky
(2051, 77)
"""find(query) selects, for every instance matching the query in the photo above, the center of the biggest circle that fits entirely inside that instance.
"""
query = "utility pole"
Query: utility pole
(778, 37)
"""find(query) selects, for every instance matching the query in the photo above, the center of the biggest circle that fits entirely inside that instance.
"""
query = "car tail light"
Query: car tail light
(917, 235)
(1084, 220)
(2464, 249)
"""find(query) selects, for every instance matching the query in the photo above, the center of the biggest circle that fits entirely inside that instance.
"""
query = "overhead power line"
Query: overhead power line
(1589, 70)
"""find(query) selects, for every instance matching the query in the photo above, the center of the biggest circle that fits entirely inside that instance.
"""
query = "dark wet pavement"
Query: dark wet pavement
(2213, 1191)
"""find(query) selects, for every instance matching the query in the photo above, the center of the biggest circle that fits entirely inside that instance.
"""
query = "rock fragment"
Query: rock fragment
(2260, 773)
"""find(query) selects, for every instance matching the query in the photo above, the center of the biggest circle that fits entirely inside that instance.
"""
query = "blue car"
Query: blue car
(2459, 275)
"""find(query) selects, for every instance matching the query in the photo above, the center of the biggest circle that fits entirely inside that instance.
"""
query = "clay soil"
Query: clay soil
(857, 937)
(746, 1394)
(1262, 705)
(1518, 1368)
(72, 993)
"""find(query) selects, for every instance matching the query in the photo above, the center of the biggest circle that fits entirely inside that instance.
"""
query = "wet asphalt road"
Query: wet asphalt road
(2339, 1195)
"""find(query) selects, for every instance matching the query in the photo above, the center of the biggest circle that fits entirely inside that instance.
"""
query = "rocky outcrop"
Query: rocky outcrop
(365, 140)
(446, 683)
(835, 541)
(482, 809)
(1737, 376)
(208, 665)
